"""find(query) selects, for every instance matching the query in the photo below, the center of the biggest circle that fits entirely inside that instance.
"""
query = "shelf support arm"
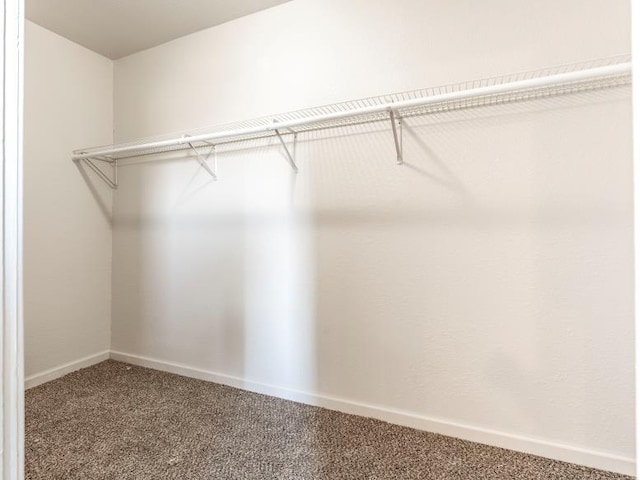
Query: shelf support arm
(286, 150)
(113, 184)
(203, 161)
(397, 136)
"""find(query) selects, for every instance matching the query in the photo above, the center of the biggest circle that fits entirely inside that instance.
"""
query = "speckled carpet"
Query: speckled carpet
(115, 421)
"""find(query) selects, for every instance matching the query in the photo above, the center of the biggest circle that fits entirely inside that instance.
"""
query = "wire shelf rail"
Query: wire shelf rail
(393, 108)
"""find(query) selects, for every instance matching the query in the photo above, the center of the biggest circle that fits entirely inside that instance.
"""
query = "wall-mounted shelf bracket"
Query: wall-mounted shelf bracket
(286, 150)
(113, 181)
(396, 126)
(203, 160)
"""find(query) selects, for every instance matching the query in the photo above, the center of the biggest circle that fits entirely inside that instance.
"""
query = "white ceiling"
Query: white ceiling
(117, 28)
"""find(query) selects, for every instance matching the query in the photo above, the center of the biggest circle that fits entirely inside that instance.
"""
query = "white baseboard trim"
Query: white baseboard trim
(544, 448)
(62, 370)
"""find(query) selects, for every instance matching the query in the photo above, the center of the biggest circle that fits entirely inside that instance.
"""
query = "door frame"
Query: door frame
(11, 124)
(635, 49)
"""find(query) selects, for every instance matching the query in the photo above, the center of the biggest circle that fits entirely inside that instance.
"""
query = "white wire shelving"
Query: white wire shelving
(393, 108)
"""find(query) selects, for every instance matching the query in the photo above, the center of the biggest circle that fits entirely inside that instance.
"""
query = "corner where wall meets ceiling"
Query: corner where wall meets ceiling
(117, 28)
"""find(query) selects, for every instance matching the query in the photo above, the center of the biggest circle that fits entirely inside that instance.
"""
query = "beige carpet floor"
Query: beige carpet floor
(115, 421)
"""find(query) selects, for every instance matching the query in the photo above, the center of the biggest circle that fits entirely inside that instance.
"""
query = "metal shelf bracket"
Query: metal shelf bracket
(203, 160)
(112, 182)
(290, 158)
(397, 134)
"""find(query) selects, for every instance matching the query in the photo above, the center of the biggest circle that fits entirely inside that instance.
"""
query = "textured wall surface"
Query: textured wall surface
(67, 225)
(487, 282)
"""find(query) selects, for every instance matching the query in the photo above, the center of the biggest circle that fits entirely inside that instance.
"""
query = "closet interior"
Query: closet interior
(423, 268)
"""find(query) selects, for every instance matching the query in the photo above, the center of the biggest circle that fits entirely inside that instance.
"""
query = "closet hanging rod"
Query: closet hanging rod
(484, 91)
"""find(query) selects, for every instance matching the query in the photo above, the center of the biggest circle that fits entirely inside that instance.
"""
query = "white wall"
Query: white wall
(483, 289)
(67, 226)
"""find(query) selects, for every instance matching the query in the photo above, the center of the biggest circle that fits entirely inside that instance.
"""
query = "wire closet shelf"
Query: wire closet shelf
(393, 108)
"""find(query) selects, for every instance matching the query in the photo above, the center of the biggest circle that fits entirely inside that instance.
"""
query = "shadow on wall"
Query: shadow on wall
(470, 284)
